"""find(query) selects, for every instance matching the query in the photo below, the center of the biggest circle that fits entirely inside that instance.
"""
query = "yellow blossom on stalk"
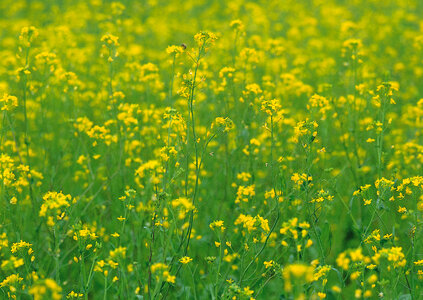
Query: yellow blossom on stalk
(320, 103)
(222, 124)
(46, 289)
(299, 179)
(305, 132)
(297, 274)
(361, 190)
(322, 195)
(73, 295)
(372, 278)
(250, 56)
(253, 90)
(110, 39)
(321, 272)
(393, 255)
(271, 107)
(226, 72)
(247, 291)
(158, 266)
(28, 35)
(84, 234)
(402, 210)
(175, 50)
(374, 236)
(162, 272)
(13, 201)
(351, 257)
(352, 43)
(184, 205)
(11, 281)
(217, 224)
(352, 49)
(53, 206)
(17, 246)
(237, 24)
(119, 252)
(12, 263)
(185, 260)
(243, 176)
(355, 275)
(269, 264)
(383, 183)
(8, 102)
(252, 223)
(205, 38)
(245, 193)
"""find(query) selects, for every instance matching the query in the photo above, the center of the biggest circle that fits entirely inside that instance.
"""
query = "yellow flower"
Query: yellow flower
(268, 264)
(321, 295)
(73, 294)
(8, 102)
(237, 24)
(185, 260)
(217, 224)
(119, 252)
(46, 289)
(109, 39)
(296, 274)
(402, 210)
(205, 38)
(54, 204)
(13, 200)
(175, 50)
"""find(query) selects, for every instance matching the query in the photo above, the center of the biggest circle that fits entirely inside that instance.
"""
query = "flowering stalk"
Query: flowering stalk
(28, 34)
(204, 39)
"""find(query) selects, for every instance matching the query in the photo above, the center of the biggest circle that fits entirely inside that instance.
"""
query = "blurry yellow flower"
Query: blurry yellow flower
(185, 260)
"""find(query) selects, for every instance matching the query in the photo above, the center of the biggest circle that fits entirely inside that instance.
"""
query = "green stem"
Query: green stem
(105, 288)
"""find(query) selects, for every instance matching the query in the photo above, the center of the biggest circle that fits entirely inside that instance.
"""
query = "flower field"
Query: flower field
(211, 149)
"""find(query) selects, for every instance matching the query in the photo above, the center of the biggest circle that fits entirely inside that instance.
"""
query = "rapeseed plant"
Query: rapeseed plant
(246, 150)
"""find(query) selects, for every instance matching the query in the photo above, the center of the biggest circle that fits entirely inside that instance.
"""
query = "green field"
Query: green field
(211, 149)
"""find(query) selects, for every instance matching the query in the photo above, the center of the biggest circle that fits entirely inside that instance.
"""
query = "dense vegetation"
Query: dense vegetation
(211, 149)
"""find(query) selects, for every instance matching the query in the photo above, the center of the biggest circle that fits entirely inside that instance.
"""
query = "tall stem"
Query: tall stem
(194, 137)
